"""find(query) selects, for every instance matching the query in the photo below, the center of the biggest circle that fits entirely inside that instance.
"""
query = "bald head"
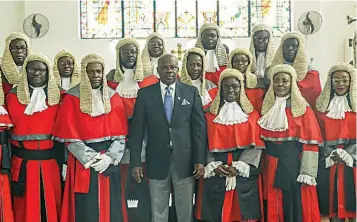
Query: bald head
(167, 69)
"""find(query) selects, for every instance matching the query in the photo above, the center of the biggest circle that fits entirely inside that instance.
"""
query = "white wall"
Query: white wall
(326, 46)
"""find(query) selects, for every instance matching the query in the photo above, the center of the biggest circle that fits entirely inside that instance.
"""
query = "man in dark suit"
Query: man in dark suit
(172, 113)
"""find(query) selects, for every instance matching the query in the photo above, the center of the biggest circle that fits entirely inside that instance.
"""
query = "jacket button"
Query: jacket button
(170, 129)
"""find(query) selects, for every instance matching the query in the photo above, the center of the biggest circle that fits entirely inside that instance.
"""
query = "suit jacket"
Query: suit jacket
(187, 131)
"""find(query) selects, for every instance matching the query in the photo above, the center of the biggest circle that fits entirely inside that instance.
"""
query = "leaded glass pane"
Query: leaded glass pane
(165, 17)
(101, 19)
(233, 18)
(207, 12)
(139, 18)
(186, 18)
(276, 13)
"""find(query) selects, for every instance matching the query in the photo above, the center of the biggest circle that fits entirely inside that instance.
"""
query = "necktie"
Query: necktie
(168, 103)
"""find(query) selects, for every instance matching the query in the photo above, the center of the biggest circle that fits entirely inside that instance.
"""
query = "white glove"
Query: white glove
(90, 162)
(64, 171)
(103, 163)
(242, 167)
(346, 157)
(230, 183)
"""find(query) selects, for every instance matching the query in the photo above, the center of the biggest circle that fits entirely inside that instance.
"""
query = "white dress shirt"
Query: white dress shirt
(172, 91)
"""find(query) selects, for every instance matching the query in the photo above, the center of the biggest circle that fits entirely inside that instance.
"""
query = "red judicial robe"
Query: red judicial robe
(6, 213)
(227, 142)
(288, 200)
(129, 103)
(310, 87)
(256, 97)
(337, 133)
(214, 76)
(88, 195)
(36, 163)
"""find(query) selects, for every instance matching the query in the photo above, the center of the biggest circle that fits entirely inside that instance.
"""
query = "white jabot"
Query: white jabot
(3, 111)
(154, 62)
(37, 101)
(66, 83)
(97, 102)
(211, 61)
(129, 87)
(206, 98)
(172, 91)
(338, 106)
(231, 113)
(19, 68)
(260, 65)
(276, 119)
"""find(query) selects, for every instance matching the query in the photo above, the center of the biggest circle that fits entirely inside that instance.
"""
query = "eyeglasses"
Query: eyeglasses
(338, 81)
(261, 38)
(240, 61)
(33, 70)
(66, 63)
(18, 48)
(129, 52)
(153, 44)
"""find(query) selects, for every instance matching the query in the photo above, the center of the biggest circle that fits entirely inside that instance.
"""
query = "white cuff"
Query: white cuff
(231, 183)
(346, 157)
(243, 168)
(210, 167)
(306, 179)
(329, 162)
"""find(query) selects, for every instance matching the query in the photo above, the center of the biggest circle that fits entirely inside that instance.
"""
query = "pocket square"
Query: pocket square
(185, 102)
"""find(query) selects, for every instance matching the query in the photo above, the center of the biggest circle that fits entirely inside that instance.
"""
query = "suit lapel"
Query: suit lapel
(178, 100)
(158, 100)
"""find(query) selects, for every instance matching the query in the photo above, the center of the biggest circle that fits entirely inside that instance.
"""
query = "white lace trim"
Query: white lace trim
(97, 102)
(306, 179)
(276, 119)
(230, 114)
(260, 65)
(210, 167)
(338, 106)
(20, 68)
(37, 101)
(129, 87)
(3, 111)
(346, 157)
(211, 61)
(243, 168)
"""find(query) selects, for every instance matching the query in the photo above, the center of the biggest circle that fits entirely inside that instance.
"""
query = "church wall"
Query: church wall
(325, 47)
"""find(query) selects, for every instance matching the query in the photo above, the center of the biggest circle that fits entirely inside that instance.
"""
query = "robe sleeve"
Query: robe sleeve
(83, 153)
(117, 149)
(309, 164)
(251, 156)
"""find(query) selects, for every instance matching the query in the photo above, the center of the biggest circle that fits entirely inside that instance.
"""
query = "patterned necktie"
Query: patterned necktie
(168, 103)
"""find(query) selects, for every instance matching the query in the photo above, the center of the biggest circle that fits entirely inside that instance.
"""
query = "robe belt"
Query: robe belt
(288, 169)
(26, 154)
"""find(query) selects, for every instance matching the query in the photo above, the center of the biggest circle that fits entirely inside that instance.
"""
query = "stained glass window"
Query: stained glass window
(138, 18)
(207, 12)
(181, 19)
(186, 18)
(276, 13)
(101, 19)
(233, 18)
(165, 17)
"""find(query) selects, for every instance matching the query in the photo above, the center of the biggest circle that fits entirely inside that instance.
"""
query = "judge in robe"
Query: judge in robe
(292, 51)
(192, 73)
(6, 213)
(37, 159)
(336, 112)
(17, 48)
(262, 49)
(126, 80)
(66, 70)
(292, 137)
(92, 191)
(241, 60)
(209, 40)
(155, 47)
(231, 188)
